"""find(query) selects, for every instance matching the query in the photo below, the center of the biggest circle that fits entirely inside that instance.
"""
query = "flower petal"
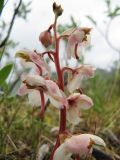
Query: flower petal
(30, 65)
(32, 57)
(34, 98)
(73, 115)
(84, 102)
(39, 62)
(75, 82)
(76, 102)
(55, 102)
(81, 144)
(55, 95)
(34, 80)
(61, 153)
(23, 90)
(80, 37)
(80, 73)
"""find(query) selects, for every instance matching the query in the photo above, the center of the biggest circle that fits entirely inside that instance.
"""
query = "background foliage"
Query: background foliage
(21, 130)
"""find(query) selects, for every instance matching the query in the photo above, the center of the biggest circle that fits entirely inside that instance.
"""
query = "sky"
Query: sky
(41, 16)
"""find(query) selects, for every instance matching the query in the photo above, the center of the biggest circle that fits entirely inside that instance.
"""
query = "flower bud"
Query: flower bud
(57, 9)
(54, 131)
(45, 38)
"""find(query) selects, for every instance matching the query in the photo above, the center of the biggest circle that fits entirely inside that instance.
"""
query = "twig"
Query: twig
(3, 43)
(46, 138)
(12, 143)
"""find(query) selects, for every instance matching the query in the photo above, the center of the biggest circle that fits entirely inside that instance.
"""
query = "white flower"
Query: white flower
(32, 59)
(83, 71)
(79, 38)
(34, 98)
(77, 144)
(56, 96)
(50, 89)
(77, 102)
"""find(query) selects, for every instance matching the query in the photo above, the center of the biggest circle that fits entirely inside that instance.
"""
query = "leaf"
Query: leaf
(4, 73)
(92, 20)
(1, 5)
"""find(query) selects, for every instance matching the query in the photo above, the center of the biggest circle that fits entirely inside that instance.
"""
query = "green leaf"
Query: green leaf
(1, 5)
(92, 20)
(4, 73)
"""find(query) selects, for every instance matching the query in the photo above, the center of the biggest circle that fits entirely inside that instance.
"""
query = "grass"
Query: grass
(22, 132)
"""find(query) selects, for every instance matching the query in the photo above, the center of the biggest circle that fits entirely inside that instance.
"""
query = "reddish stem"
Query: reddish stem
(67, 69)
(48, 52)
(50, 27)
(40, 69)
(77, 157)
(61, 86)
(76, 55)
(50, 57)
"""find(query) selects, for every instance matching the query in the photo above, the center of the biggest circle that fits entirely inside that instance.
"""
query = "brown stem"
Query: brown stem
(3, 43)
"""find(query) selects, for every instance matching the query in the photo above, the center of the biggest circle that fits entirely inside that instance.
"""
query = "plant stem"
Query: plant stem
(61, 86)
(60, 78)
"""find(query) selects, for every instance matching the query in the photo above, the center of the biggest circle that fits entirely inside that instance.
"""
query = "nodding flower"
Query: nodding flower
(76, 77)
(31, 58)
(37, 83)
(77, 41)
(76, 103)
(81, 145)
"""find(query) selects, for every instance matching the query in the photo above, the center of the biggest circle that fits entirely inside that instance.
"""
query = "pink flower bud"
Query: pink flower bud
(45, 38)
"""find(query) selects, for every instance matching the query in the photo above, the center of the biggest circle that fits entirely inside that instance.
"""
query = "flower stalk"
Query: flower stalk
(40, 87)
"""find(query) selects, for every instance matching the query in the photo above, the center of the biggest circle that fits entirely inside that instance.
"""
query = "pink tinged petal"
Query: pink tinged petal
(53, 88)
(80, 73)
(76, 102)
(35, 58)
(34, 98)
(35, 80)
(80, 101)
(29, 57)
(23, 90)
(81, 144)
(74, 39)
(97, 140)
(28, 65)
(69, 52)
(55, 102)
(61, 153)
(75, 82)
(86, 70)
(84, 102)
(73, 116)
(55, 95)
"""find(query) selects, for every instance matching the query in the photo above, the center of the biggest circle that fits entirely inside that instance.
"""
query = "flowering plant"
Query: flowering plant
(68, 99)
